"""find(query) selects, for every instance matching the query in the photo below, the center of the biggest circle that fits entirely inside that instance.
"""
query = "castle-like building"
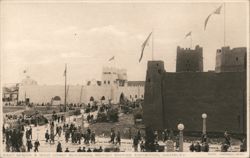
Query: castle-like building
(183, 96)
(113, 87)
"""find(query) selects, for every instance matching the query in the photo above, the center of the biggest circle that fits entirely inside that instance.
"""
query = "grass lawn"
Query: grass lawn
(7, 109)
(125, 122)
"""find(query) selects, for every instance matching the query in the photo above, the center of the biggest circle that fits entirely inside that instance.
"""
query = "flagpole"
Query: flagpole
(191, 41)
(65, 88)
(152, 44)
(224, 24)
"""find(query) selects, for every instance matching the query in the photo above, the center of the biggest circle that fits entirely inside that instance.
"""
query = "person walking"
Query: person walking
(191, 147)
(112, 137)
(29, 145)
(118, 138)
(197, 147)
(243, 145)
(227, 139)
(47, 136)
(37, 144)
(67, 150)
(135, 143)
(79, 149)
(67, 135)
(59, 147)
(92, 137)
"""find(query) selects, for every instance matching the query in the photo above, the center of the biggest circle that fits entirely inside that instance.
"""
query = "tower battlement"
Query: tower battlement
(231, 60)
(189, 60)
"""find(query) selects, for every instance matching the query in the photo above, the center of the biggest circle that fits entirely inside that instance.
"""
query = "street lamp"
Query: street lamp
(204, 116)
(181, 128)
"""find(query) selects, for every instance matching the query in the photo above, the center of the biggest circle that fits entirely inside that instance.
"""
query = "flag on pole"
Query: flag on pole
(217, 11)
(188, 34)
(144, 45)
(112, 58)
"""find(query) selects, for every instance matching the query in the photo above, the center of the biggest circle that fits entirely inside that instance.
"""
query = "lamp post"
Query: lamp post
(180, 128)
(204, 116)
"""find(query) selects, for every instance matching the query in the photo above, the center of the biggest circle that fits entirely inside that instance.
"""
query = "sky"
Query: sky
(41, 37)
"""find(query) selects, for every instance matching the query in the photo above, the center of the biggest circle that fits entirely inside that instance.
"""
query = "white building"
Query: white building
(113, 87)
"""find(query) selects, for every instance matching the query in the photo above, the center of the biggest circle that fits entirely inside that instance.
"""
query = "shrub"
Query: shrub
(77, 112)
(101, 117)
(113, 115)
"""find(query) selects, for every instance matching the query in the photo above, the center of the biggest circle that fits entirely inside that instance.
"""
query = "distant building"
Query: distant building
(10, 95)
(189, 60)
(113, 87)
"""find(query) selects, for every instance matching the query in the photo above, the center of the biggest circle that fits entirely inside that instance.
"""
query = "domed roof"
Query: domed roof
(57, 98)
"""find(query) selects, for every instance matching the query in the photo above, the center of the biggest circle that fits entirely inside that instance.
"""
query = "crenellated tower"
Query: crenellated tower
(189, 60)
(153, 95)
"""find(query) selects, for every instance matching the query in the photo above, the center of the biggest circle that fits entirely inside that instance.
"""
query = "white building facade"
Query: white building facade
(113, 87)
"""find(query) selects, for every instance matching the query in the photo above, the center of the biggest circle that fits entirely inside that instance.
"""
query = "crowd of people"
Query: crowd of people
(75, 134)
(80, 149)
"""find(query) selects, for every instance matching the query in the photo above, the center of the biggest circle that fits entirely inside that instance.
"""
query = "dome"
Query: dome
(57, 98)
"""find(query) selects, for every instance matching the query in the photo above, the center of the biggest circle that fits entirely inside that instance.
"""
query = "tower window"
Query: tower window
(237, 58)
(104, 82)
(108, 82)
(159, 71)
(135, 96)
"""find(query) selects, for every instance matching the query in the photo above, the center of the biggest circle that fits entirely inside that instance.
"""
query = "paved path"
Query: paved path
(126, 144)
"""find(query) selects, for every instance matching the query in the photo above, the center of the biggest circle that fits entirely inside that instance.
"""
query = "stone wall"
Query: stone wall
(184, 96)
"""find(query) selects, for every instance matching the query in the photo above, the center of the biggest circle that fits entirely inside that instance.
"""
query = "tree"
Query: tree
(113, 115)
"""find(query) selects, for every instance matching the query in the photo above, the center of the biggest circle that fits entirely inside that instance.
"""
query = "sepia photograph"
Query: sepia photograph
(125, 77)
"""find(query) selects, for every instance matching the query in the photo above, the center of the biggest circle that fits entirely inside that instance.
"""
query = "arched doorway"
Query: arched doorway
(102, 99)
(122, 99)
(91, 99)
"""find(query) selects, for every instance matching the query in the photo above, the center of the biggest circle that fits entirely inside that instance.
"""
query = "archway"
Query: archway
(102, 99)
(122, 99)
(91, 99)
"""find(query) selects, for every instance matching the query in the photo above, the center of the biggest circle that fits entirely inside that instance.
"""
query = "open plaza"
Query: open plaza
(124, 77)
